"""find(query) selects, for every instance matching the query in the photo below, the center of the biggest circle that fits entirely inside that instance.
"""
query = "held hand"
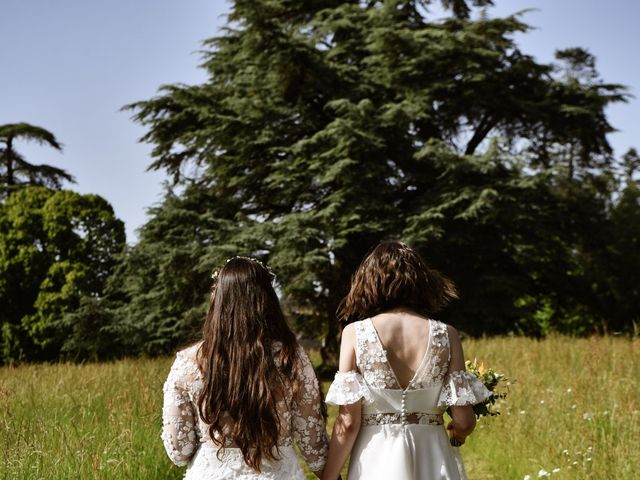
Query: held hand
(455, 438)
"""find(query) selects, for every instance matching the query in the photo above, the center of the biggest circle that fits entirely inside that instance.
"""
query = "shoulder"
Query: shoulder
(350, 334)
(451, 331)
(185, 369)
(350, 329)
(443, 334)
(189, 354)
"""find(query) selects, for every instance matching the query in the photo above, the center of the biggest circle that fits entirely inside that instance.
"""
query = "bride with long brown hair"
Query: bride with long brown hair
(237, 401)
(399, 371)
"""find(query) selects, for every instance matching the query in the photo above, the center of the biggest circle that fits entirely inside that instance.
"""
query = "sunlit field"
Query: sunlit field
(572, 412)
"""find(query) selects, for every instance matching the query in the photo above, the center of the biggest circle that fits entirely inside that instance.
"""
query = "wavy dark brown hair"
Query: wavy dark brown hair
(394, 275)
(242, 379)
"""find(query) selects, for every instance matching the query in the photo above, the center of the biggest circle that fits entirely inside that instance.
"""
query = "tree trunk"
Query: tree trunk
(483, 129)
(330, 350)
(9, 161)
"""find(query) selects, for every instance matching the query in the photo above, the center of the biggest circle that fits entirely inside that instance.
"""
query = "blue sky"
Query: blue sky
(70, 65)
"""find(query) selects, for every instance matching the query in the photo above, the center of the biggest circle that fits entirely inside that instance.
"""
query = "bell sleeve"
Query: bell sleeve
(461, 388)
(348, 388)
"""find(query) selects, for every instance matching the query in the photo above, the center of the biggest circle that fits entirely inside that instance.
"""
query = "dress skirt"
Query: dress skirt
(410, 452)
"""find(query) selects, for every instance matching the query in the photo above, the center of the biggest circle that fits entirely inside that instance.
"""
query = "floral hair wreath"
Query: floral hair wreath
(215, 273)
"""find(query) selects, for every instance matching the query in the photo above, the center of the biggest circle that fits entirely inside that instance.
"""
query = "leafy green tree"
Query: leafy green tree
(15, 170)
(325, 127)
(55, 247)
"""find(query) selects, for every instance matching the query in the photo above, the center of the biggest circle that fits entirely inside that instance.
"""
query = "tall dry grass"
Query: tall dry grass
(573, 406)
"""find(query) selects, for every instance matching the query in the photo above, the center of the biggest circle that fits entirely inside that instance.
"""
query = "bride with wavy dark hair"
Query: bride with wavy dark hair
(237, 401)
(399, 371)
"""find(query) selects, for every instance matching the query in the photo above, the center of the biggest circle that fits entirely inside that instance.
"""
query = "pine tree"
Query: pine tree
(327, 126)
(15, 170)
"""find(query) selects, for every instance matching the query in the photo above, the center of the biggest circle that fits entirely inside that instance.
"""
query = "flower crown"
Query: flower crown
(215, 273)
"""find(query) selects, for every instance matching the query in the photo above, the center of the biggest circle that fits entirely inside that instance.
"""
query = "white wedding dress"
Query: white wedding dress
(187, 442)
(402, 434)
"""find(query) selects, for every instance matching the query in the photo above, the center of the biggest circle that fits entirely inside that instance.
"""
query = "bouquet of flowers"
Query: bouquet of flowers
(496, 382)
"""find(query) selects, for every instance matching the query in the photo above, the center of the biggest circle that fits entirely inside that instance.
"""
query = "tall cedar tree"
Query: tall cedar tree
(327, 126)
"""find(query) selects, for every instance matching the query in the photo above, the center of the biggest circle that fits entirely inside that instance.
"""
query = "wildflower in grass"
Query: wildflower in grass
(555, 470)
(527, 477)
(543, 473)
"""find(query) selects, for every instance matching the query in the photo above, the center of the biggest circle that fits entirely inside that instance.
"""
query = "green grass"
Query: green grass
(573, 405)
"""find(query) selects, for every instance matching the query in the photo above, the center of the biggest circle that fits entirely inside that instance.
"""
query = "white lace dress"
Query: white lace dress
(402, 434)
(186, 438)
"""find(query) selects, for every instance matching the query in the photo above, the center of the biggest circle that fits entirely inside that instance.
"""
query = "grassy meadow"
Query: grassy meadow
(573, 405)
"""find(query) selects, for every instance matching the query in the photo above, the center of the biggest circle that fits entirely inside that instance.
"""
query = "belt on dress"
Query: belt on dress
(414, 418)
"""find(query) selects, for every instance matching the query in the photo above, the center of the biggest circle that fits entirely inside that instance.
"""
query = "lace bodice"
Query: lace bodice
(372, 362)
(374, 374)
(184, 432)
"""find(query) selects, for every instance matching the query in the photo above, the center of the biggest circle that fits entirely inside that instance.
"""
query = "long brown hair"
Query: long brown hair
(393, 275)
(242, 380)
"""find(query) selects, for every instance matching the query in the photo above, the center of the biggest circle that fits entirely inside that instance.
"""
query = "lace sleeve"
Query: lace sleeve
(461, 388)
(178, 419)
(309, 429)
(348, 388)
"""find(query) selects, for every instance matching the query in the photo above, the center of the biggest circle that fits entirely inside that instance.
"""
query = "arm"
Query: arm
(464, 420)
(309, 427)
(178, 419)
(347, 425)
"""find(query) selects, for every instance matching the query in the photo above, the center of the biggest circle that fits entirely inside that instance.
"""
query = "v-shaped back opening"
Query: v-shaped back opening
(386, 356)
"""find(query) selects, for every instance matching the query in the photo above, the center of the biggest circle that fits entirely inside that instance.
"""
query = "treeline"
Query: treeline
(325, 127)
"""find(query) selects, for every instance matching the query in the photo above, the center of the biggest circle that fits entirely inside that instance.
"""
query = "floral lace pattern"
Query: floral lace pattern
(371, 358)
(348, 388)
(231, 465)
(374, 419)
(434, 368)
(185, 435)
(462, 388)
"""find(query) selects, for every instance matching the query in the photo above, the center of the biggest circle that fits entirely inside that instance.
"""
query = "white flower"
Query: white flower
(569, 390)
(527, 477)
(541, 402)
(555, 470)
(588, 459)
(543, 473)
(565, 451)
(522, 412)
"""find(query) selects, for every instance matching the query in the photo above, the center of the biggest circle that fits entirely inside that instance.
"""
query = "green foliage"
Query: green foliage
(15, 170)
(55, 247)
(326, 127)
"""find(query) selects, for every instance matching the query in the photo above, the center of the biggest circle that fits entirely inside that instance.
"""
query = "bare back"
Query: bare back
(405, 337)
